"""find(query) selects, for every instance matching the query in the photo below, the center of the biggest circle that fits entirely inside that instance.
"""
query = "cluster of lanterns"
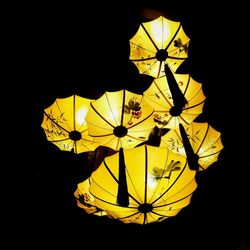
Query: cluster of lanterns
(140, 183)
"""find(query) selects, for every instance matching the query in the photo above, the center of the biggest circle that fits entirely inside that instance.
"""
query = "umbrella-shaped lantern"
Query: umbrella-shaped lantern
(159, 182)
(120, 119)
(168, 115)
(156, 43)
(204, 139)
(65, 126)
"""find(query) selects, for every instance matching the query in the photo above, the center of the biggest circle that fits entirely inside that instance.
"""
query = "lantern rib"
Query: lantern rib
(188, 83)
(103, 135)
(111, 110)
(135, 138)
(167, 204)
(203, 139)
(62, 113)
(146, 174)
(96, 197)
(56, 122)
(197, 92)
(144, 59)
(113, 176)
(153, 213)
(173, 37)
(142, 120)
(102, 189)
(123, 106)
(119, 142)
(144, 218)
(75, 147)
(159, 69)
(83, 131)
(162, 93)
(149, 37)
(111, 203)
(210, 147)
(138, 46)
(101, 115)
(125, 217)
(177, 58)
(217, 152)
(171, 185)
(190, 107)
(134, 188)
(180, 190)
(65, 139)
(181, 118)
(149, 66)
(162, 215)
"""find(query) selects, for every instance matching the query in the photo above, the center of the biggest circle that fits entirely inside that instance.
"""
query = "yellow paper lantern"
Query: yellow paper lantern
(120, 119)
(65, 126)
(158, 42)
(204, 139)
(166, 114)
(159, 183)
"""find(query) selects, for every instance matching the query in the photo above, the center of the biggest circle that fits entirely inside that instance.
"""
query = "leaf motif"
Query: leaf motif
(126, 109)
(131, 104)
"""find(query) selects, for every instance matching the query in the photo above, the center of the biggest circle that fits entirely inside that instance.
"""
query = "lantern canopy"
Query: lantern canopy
(65, 126)
(166, 114)
(158, 42)
(204, 139)
(159, 182)
(120, 119)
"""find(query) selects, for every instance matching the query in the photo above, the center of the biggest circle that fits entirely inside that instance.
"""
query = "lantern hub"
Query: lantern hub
(120, 131)
(161, 55)
(175, 111)
(145, 208)
(75, 135)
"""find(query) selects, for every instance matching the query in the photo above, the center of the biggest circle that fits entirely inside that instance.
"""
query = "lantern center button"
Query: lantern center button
(161, 55)
(75, 135)
(120, 131)
(145, 208)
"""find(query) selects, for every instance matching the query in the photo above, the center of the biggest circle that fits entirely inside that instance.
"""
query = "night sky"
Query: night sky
(60, 50)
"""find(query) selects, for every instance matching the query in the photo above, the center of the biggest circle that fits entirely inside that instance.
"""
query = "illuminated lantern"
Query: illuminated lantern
(156, 43)
(167, 114)
(204, 139)
(120, 119)
(65, 126)
(159, 184)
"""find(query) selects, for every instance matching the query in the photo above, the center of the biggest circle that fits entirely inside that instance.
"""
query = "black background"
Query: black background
(58, 50)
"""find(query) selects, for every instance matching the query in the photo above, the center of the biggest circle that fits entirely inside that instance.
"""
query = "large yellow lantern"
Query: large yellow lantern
(159, 185)
(156, 43)
(166, 113)
(120, 119)
(204, 139)
(65, 126)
